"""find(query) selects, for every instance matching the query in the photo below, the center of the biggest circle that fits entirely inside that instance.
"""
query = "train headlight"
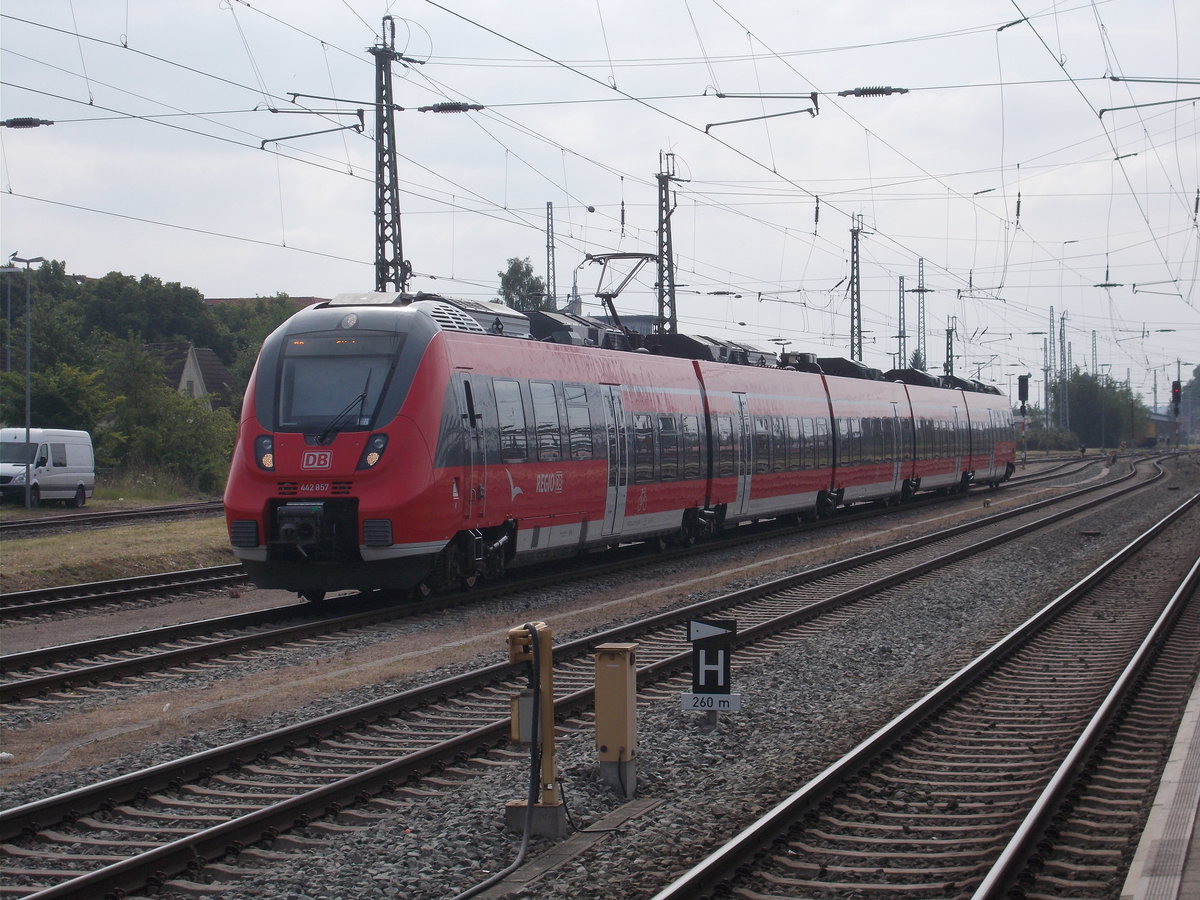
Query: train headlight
(373, 452)
(264, 452)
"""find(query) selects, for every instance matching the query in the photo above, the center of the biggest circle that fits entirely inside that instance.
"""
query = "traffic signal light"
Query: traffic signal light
(1176, 396)
(1023, 388)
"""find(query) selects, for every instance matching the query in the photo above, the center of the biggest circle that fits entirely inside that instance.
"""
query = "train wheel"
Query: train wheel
(826, 505)
(460, 569)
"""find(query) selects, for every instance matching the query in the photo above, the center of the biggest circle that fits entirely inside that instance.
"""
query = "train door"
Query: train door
(897, 448)
(962, 441)
(993, 437)
(474, 451)
(743, 440)
(618, 459)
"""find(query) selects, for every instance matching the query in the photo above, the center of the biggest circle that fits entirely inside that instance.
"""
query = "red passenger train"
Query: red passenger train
(395, 442)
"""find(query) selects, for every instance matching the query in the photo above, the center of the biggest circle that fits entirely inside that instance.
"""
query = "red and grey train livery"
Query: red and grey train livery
(390, 442)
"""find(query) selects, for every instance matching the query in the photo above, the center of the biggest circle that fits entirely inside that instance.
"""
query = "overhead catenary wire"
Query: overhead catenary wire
(700, 198)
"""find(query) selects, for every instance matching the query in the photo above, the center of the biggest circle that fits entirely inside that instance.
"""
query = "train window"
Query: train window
(511, 414)
(579, 421)
(643, 448)
(808, 453)
(762, 445)
(870, 440)
(823, 451)
(546, 422)
(725, 454)
(668, 448)
(691, 446)
(795, 456)
(846, 456)
(779, 460)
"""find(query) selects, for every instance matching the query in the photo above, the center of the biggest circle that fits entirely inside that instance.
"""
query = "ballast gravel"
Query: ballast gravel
(801, 709)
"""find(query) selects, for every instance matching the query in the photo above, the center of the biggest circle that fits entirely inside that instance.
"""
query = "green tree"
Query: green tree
(1104, 413)
(61, 397)
(147, 307)
(242, 327)
(917, 360)
(521, 289)
(184, 437)
(91, 369)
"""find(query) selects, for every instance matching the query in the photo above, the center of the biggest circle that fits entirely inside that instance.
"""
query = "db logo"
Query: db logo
(316, 459)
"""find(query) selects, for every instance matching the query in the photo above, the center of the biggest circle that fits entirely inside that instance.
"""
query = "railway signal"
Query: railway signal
(1176, 396)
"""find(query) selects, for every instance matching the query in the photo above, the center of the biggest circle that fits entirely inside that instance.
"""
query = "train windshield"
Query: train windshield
(333, 381)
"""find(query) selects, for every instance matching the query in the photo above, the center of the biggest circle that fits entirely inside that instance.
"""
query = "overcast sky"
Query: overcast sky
(1039, 153)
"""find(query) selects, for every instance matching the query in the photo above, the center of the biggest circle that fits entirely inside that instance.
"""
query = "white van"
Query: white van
(61, 465)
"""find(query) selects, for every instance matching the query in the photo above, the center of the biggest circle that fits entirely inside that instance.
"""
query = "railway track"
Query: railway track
(18, 528)
(148, 826)
(17, 605)
(1030, 767)
(71, 598)
(55, 673)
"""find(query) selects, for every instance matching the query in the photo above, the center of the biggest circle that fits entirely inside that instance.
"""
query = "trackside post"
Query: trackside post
(616, 716)
(534, 710)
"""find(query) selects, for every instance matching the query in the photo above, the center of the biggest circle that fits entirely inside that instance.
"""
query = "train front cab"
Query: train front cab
(336, 435)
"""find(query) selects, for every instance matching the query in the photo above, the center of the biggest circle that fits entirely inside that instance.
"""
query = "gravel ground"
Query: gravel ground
(801, 710)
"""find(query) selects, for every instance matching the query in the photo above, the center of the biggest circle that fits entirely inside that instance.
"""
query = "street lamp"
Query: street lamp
(28, 362)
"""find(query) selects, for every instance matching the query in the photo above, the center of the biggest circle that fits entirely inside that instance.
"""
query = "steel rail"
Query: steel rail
(706, 875)
(13, 527)
(43, 600)
(1009, 866)
(40, 685)
(215, 841)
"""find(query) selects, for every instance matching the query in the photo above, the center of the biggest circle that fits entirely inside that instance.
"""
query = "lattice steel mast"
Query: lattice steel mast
(391, 268)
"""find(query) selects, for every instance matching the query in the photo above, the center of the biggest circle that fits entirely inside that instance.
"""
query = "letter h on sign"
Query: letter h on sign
(711, 654)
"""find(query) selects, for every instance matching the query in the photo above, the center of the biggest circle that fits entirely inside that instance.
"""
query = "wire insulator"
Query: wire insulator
(450, 107)
(875, 91)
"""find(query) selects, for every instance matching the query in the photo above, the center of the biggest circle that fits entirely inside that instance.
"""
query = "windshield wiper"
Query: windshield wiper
(359, 401)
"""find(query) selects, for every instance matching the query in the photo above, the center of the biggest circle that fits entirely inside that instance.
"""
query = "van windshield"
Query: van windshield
(18, 453)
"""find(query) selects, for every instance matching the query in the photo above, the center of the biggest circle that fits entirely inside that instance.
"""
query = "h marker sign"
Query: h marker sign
(712, 652)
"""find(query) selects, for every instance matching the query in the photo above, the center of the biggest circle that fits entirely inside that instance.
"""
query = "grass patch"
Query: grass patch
(101, 553)
(154, 487)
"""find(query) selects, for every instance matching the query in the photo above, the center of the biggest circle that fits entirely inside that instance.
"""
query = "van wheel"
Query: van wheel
(80, 498)
(35, 496)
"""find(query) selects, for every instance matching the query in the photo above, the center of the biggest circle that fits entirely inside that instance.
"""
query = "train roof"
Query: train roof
(571, 328)
(913, 376)
(497, 318)
(848, 368)
(451, 313)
